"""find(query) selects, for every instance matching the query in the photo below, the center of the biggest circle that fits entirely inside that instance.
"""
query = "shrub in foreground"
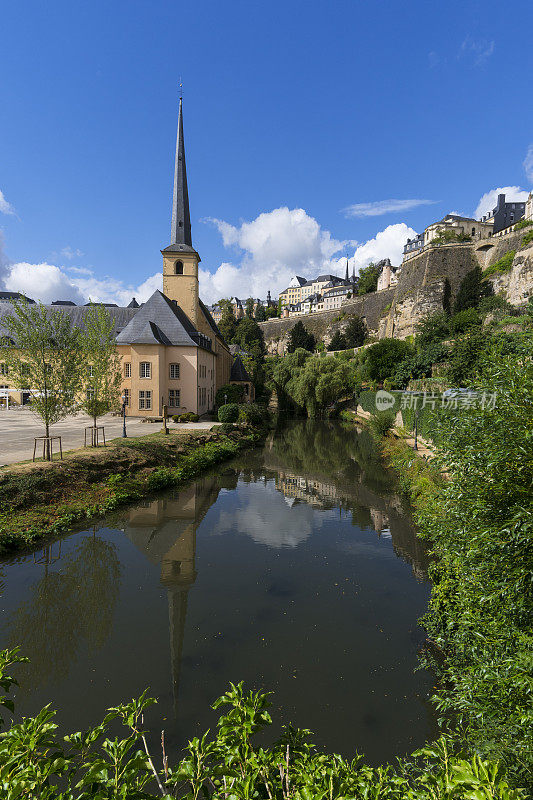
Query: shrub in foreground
(35, 761)
(381, 422)
(228, 413)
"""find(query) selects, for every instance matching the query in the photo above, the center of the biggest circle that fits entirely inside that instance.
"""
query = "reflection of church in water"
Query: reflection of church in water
(164, 530)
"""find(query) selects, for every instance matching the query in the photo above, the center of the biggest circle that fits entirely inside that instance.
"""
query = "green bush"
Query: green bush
(228, 413)
(176, 418)
(463, 320)
(528, 238)
(381, 422)
(188, 417)
(504, 264)
(252, 414)
(227, 427)
(381, 359)
(233, 392)
(161, 478)
(521, 224)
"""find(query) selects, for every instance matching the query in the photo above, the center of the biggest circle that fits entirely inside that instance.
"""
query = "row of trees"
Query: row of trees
(353, 335)
(64, 368)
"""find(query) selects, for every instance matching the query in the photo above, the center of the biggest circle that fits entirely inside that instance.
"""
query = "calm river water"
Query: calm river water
(294, 568)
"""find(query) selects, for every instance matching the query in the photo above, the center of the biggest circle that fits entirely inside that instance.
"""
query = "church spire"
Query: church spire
(346, 278)
(181, 219)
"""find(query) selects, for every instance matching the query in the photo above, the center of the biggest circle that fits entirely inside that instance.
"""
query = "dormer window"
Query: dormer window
(179, 267)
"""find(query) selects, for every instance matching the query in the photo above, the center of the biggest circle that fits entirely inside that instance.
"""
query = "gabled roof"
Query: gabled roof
(238, 371)
(173, 327)
(76, 314)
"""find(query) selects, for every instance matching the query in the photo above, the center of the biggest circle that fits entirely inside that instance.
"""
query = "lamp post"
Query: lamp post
(416, 428)
(124, 434)
(225, 399)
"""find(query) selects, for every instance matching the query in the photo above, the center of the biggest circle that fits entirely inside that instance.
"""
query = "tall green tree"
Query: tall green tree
(260, 314)
(368, 279)
(249, 307)
(101, 376)
(249, 337)
(471, 290)
(228, 321)
(355, 332)
(299, 337)
(42, 351)
(338, 342)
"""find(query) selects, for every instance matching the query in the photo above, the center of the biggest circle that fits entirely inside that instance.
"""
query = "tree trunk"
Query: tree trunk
(47, 441)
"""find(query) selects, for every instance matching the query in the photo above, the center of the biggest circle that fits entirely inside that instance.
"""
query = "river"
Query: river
(294, 567)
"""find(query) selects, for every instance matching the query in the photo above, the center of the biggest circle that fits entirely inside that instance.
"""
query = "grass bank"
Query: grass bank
(40, 500)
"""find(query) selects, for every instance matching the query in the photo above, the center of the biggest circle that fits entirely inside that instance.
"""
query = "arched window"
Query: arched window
(179, 267)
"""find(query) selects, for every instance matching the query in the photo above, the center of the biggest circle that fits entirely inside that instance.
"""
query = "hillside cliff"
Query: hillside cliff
(420, 290)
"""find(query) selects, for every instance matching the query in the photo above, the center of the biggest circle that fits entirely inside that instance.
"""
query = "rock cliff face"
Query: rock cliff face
(420, 290)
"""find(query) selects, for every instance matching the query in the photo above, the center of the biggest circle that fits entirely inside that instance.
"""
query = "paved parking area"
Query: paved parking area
(19, 427)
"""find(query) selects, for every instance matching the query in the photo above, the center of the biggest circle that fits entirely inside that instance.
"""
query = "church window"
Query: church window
(174, 398)
(126, 395)
(174, 372)
(145, 399)
(179, 267)
(127, 369)
(145, 369)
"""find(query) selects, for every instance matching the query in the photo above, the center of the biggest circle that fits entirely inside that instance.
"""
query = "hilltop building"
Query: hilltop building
(504, 214)
(171, 350)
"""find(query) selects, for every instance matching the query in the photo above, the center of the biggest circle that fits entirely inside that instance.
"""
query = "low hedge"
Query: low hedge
(228, 413)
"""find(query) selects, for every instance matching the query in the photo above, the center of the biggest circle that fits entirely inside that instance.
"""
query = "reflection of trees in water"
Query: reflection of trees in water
(336, 450)
(67, 607)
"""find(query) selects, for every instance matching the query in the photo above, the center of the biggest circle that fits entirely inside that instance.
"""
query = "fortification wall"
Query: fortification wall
(323, 324)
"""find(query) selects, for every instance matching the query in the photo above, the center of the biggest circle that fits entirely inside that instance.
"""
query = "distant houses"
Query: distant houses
(455, 228)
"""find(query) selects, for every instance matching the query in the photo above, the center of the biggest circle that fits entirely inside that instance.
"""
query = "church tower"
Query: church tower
(180, 259)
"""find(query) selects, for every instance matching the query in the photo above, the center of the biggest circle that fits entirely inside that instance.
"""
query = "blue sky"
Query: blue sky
(287, 105)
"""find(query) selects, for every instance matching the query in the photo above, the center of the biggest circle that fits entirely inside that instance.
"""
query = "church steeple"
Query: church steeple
(181, 218)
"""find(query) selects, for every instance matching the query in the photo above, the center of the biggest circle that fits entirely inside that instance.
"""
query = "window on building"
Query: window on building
(145, 369)
(90, 371)
(174, 398)
(145, 399)
(179, 267)
(127, 369)
(473, 231)
(126, 395)
(174, 372)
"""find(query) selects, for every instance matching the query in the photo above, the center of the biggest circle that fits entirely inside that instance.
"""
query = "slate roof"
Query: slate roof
(76, 314)
(15, 296)
(173, 327)
(238, 371)
(210, 320)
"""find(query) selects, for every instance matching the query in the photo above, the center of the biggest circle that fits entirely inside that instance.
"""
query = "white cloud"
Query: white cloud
(488, 201)
(480, 49)
(44, 282)
(48, 282)
(5, 207)
(379, 207)
(388, 243)
(528, 163)
(272, 248)
(68, 253)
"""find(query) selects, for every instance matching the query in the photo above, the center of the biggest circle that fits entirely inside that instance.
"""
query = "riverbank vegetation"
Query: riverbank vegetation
(480, 525)
(39, 500)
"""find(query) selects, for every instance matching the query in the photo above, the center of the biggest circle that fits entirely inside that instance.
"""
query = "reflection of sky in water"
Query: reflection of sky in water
(267, 517)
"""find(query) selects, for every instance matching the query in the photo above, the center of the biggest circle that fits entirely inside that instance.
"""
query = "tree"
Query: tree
(355, 332)
(273, 311)
(382, 359)
(368, 279)
(101, 376)
(43, 355)
(299, 337)
(228, 322)
(447, 297)
(229, 393)
(260, 314)
(319, 382)
(249, 337)
(249, 307)
(471, 290)
(338, 342)
(432, 328)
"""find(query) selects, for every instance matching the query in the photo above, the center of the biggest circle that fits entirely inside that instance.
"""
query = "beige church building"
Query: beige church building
(171, 350)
